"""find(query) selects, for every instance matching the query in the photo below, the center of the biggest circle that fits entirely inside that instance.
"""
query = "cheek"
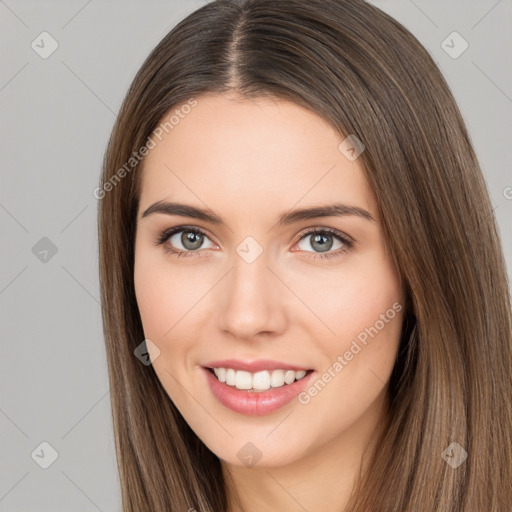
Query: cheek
(153, 303)
(364, 308)
(354, 300)
(164, 298)
(359, 359)
(164, 294)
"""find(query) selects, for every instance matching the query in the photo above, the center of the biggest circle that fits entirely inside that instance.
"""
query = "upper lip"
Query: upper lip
(257, 365)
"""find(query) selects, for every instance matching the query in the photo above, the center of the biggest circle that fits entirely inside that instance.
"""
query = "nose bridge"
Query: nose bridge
(250, 302)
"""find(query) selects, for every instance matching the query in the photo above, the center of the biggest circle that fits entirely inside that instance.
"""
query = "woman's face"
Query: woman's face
(255, 290)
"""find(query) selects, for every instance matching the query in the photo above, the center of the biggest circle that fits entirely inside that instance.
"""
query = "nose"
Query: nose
(251, 300)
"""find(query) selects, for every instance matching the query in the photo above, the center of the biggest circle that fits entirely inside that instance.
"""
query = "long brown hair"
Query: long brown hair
(366, 75)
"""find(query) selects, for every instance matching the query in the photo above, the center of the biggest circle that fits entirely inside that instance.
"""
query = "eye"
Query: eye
(183, 240)
(322, 240)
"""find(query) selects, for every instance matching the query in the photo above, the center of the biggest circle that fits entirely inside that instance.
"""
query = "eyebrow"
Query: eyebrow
(290, 217)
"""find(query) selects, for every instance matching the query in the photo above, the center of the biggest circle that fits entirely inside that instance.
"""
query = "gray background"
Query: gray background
(56, 116)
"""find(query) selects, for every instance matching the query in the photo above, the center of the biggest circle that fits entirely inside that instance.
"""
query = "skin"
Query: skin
(250, 161)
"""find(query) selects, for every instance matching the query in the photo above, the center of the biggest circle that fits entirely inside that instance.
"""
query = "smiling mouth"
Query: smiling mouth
(257, 382)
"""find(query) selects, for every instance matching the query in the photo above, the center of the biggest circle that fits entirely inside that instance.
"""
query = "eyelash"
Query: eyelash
(168, 233)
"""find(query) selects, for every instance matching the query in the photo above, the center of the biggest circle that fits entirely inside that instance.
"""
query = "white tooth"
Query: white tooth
(277, 379)
(289, 376)
(221, 374)
(243, 380)
(230, 377)
(261, 381)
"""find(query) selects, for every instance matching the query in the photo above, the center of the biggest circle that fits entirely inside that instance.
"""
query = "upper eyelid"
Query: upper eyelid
(177, 229)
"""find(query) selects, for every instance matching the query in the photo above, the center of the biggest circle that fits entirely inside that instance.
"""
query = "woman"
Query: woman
(304, 296)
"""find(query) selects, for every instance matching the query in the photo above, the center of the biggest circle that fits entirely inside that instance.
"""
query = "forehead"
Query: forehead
(230, 152)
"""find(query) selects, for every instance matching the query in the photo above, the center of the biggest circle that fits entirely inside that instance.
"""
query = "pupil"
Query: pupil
(324, 245)
(191, 240)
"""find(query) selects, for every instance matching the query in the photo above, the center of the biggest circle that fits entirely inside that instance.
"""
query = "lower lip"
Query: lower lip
(254, 403)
